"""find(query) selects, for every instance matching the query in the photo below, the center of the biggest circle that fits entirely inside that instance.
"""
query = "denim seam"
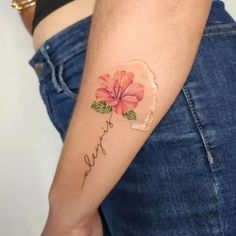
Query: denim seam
(54, 80)
(220, 26)
(198, 124)
(220, 33)
(220, 29)
(207, 148)
(66, 89)
(77, 49)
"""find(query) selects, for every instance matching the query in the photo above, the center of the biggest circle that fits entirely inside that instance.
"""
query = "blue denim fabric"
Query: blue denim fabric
(183, 180)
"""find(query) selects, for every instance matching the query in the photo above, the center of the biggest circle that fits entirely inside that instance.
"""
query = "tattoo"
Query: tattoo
(90, 161)
(117, 93)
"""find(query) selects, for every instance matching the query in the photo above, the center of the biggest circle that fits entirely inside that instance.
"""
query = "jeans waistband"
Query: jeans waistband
(61, 47)
(72, 40)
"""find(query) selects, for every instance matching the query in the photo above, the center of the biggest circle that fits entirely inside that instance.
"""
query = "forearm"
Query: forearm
(166, 37)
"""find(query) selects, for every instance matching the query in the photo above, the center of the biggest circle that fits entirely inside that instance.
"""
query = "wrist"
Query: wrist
(60, 223)
(68, 211)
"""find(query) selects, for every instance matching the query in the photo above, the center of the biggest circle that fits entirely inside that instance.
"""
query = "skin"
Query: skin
(27, 17)
(94, 225)
(166, 39)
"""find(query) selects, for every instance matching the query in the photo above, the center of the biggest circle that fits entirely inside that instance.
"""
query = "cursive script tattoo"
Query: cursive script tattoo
(90, 161)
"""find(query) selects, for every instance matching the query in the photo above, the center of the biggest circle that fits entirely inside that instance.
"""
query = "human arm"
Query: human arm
(27, 16)
(164, 35)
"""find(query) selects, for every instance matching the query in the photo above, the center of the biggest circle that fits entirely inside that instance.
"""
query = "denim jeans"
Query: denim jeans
(183, 180)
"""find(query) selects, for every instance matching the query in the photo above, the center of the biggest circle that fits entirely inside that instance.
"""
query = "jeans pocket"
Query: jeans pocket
(69, 74)
(43, 87)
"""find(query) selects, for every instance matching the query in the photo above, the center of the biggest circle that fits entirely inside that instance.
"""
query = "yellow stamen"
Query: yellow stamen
(122, 82)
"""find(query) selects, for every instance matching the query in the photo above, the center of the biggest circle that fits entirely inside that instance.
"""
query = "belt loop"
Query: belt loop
(54, 80)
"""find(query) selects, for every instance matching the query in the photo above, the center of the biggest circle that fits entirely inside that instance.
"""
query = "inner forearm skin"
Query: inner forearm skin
(99, 146)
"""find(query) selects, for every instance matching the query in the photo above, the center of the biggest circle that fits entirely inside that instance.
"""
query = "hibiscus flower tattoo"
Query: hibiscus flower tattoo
(118, 93)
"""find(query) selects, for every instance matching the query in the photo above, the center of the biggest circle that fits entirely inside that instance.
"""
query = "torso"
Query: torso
(60, 19)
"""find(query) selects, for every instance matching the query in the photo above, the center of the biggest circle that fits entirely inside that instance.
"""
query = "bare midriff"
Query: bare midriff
(60, 19)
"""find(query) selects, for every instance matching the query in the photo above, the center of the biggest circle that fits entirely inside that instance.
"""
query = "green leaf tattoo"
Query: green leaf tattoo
(101, 107)
(130, 115)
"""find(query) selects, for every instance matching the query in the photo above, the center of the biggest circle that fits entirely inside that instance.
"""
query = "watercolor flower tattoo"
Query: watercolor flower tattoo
(118, 93)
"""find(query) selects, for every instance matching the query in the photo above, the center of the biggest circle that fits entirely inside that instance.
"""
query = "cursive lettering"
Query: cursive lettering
(90, 161)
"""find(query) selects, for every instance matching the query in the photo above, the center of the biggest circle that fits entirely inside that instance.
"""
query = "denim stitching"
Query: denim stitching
(221, 29)
(221, 26)
(198, 124)
(54, 80)
(221, 33)
(66, 89)
(79, 48)
(209, 155)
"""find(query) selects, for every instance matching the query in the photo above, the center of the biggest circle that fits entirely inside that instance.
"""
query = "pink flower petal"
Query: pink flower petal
(120, 108)
(130, 101)
(116, 89)
(124, 79)
(126, 104)
(103, 94)
(119, 91)
(128, 81)
(135, 89)
(111, 102)
(107, 82)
